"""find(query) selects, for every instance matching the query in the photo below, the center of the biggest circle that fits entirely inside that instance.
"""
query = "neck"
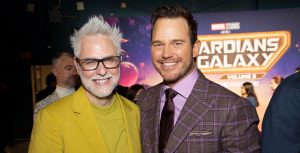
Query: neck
(63, 86)
(100, 101)
(190, 71)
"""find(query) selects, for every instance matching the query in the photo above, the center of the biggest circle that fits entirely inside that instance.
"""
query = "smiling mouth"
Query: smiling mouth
(101, 80)
(169, 63)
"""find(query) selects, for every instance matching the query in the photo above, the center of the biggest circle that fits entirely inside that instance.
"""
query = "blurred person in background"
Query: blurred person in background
(122, 90)
(134, 91)
(66, 79)
(50, 87)
(248, 92)
(275, 81)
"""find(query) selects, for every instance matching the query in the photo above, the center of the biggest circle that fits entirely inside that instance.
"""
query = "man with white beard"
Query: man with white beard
(95, 118)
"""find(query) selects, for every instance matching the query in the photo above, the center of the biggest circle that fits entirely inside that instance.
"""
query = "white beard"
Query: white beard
(100, 91)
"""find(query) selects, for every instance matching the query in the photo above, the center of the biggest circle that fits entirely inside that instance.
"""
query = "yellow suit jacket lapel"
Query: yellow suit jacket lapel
(130, 125)
(86, 121)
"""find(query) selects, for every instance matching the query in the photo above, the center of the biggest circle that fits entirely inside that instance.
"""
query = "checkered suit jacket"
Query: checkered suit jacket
(213, 119)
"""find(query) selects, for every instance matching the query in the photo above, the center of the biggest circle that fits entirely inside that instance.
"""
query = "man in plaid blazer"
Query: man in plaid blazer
(208, 117)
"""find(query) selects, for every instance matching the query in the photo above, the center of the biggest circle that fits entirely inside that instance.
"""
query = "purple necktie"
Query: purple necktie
(167, 119)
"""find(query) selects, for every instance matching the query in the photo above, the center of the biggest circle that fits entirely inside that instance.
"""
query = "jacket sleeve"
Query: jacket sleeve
(281, 124)
(240, 132)
(45, 137)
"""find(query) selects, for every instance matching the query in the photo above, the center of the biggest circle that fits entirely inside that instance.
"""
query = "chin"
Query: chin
(102, 93)
(170, 80)
(169, 76)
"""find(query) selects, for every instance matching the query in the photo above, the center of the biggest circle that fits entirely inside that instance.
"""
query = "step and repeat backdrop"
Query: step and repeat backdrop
(236, 47)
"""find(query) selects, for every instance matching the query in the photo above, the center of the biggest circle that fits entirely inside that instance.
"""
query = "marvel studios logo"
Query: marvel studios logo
(225, 26)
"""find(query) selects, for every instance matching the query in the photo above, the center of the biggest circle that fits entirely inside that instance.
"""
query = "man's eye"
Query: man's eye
(177, 43)
(109, 59)
(69, 68)
(157, 45)
(88, 61)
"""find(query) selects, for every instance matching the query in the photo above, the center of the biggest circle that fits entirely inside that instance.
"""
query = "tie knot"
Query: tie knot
(170, 93)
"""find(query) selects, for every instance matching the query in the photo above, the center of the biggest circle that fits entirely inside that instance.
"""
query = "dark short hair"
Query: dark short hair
(175, 12)
(249, 88)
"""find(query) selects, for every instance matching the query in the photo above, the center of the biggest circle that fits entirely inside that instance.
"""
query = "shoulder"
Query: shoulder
(60, 106)
(57, 112)
(128, 104)
(291, 82)
(148, 95)
(47, 100)
(214, 89)
(221, 96)
(211, 88)
(151, 91)
(287, 94)
(289, 89)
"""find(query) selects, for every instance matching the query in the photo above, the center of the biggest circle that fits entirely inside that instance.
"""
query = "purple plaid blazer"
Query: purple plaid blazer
(213, 119)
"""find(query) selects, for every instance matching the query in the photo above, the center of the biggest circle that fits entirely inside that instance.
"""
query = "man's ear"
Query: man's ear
(54, 70)
(76, 65)
(196, 48)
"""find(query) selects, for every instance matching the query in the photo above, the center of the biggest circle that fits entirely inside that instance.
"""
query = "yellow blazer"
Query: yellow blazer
(69, 126)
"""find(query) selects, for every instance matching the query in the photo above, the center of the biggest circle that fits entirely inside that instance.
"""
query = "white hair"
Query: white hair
(95, 26)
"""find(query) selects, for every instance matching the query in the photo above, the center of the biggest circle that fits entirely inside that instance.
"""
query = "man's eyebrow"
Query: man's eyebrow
(68, 66)
(177, 40)
(156, 41)
(86, 59)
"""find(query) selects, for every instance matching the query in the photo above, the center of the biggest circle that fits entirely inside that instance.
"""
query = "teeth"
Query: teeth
(168, 64)
(102, 81)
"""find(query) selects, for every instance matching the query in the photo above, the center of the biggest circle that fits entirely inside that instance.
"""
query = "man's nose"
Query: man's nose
(167, 51)
(101, 70)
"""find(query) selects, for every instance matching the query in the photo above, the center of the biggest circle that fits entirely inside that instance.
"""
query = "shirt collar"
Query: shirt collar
(62, 92)
(185, 86)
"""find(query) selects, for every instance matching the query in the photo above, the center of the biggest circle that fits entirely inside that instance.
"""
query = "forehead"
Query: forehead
(65, 60)
(98, 46)
(170, 27)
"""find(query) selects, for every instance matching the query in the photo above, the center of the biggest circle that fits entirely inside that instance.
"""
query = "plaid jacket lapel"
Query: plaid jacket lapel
(152, 106)
(193, 111)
